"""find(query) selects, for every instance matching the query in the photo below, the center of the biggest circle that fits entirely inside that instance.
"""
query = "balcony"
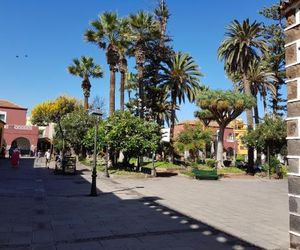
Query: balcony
(18, 127)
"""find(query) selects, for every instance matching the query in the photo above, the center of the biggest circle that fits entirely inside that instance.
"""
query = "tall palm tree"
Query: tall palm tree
(261, 79)
(181, 78)
(242, 44)
(131, 84)
(85, 68)
(105, 33)
(143, 27)
(123, 47)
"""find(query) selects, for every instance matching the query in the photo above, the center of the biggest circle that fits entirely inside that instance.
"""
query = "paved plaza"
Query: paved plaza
(40, 210)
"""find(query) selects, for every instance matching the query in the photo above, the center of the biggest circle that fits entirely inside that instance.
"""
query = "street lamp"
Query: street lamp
(96, 112)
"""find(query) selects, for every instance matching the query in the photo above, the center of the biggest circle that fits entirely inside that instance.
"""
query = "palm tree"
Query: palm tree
(242, 44)
(142, 28)
(105, 33)
(181, 79)
(85, 68)
(123, 46)
(262, 81)
(131, 84)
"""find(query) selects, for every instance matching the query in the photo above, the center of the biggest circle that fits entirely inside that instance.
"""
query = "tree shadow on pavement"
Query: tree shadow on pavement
(40, 210)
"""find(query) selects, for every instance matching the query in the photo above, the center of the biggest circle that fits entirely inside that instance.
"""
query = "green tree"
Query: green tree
(143, 28)
(132, 135)
(85, 68)
(105, 33)
(75, 126)
(261, 79)
(205, 116)
(89, 137)
(123, 48)
(193, 139)
(157, 99)
(131, 84)
(181, 79)
(242, 44)
(271, 133)
(274, 57)
(225, 106)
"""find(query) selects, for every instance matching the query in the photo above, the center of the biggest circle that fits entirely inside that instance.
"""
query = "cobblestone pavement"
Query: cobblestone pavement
(255, 210)
(40, 210)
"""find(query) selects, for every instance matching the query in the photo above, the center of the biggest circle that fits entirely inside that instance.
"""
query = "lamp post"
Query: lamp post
(96, 113)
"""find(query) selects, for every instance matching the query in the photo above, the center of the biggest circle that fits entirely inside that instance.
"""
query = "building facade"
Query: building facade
(16, 132)
(2, 123)
(232, 136)
(291, 10)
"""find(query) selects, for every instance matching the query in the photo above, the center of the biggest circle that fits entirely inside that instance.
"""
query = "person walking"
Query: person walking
(48, 157)
(15, 158)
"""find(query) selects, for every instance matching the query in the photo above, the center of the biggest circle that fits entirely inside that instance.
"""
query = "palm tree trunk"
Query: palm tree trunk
(122, 84)
(141, 88)
(86, 87)
(86, 102)
(112, 90)
(265, 106)
(256, 119)
(256, 114)
(275, 101)
(172, 125)
(220, 146)
(249, 116)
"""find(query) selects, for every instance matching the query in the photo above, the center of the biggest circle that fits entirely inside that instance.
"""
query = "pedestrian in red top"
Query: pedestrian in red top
(15, 158)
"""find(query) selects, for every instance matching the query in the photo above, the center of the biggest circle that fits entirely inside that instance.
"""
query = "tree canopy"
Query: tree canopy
(132, 135)
(52, 111)
(270, 133)
(224, 106)
(193, 139)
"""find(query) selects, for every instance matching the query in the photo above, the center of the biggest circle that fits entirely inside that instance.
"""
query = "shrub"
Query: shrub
(211, 163)
(240, 158)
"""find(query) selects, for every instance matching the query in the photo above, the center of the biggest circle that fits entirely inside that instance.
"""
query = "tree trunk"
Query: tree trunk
(220, 146)
(275, 101)
(256, 114)
(141, 88)
(249, 115)
(256, 119)
(86, 87)
(172, 125)
(86, 102)
(122, 84)
(265, 106)
(112, 90)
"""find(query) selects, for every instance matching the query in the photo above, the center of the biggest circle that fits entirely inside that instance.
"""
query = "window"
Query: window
(3, 116)
(230, 137)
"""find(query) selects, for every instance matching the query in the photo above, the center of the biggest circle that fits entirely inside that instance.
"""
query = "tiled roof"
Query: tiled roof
(7, 104)
(286, 3)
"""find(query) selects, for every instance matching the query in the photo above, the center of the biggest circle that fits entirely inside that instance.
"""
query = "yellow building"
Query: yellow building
(240, 130)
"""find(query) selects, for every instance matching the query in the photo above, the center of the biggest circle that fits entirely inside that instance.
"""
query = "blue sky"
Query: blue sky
(51, 34)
